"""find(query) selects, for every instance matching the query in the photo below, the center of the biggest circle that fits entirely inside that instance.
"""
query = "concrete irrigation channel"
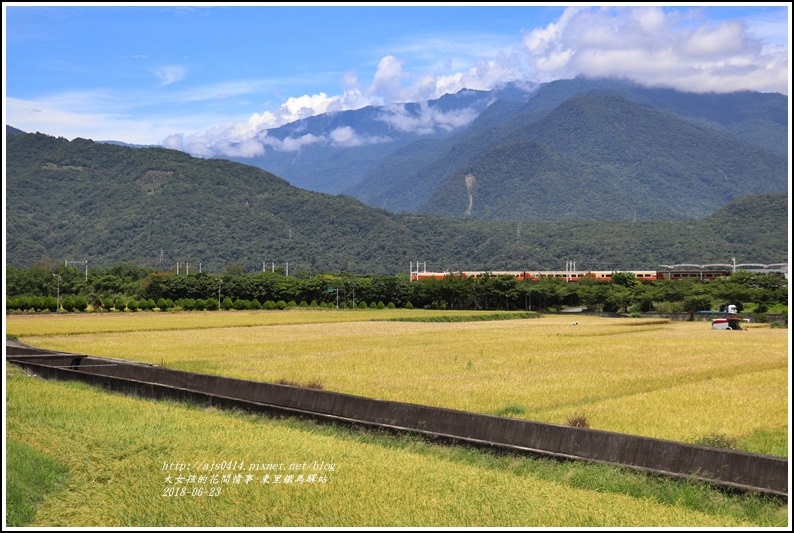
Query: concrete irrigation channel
(726, 468)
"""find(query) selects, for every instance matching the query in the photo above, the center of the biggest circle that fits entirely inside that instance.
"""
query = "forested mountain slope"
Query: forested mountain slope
(108, 204)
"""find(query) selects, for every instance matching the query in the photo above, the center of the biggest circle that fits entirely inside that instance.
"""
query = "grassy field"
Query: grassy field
(673, 380)
(129, 460)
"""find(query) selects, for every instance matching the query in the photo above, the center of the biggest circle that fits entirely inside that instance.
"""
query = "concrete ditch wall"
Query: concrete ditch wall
(744, 471)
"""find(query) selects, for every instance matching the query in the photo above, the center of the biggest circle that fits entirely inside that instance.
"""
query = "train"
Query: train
(580, 275)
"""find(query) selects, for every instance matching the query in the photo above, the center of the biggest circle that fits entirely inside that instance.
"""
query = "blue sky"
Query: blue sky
(191, 76)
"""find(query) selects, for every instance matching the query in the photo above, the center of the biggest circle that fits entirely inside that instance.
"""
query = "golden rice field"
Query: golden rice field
(675, 380)
(672, 380)
(140, 463)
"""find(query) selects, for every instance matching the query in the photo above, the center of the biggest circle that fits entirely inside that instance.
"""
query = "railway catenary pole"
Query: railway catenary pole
(66, 263)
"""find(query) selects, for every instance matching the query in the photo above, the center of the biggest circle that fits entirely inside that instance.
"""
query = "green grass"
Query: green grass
(511, 410)
(31, 477)
(766, 441)
(116, 447)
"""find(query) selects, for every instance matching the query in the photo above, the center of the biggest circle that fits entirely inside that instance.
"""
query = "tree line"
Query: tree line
(130, 287)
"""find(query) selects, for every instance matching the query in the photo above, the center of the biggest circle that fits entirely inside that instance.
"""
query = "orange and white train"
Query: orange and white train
(578, 275)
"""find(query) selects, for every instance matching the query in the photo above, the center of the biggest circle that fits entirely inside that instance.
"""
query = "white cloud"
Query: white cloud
(428, 119)
(70, 121)
(678, 49)
(387, 82)
(347, 137)
(292, 144)
(169, 74)
(674, 49)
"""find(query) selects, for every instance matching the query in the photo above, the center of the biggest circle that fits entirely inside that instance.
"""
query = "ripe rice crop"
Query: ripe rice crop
(67, 324)
(140, 463)
(673, 380)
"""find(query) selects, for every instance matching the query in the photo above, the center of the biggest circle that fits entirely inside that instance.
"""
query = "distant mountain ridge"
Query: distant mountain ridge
(10, 130)
(651, 153)
(622, 160)
(575, 149)
(332, 152)
(111, 204)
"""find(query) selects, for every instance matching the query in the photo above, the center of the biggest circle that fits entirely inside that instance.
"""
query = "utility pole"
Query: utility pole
(220, 281)
(58, 297)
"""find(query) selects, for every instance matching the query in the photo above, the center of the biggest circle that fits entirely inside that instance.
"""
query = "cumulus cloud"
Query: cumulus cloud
(387, 82)
(650, 46)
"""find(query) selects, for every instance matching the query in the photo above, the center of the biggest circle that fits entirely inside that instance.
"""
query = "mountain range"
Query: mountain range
(577, 149)
(108, 204)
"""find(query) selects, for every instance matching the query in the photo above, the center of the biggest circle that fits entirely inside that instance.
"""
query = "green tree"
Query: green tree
(50, 303)
(625, 279)
(695, 303)
(618, 299)
(67, 303)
